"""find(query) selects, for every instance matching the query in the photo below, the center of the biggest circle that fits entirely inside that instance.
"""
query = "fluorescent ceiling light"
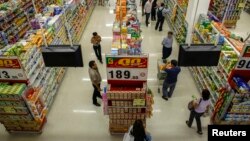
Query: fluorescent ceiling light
(156, 111)
(111, 11)
(107, 37)
(109, 25)
(85, 111)
(88, 79)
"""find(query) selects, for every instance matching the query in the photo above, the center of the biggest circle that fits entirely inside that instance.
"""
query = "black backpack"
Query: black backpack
(159, 13)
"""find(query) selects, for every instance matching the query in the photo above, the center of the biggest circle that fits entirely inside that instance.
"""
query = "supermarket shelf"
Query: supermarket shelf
(237, 52)
(223, 67)
(201, 37)
(243, 113)
(136, 107)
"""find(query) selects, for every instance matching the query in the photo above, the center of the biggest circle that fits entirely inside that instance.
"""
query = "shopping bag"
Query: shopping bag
(190, 105)
(128, 137)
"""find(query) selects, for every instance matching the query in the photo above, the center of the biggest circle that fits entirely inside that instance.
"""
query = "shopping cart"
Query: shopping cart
(161, 75)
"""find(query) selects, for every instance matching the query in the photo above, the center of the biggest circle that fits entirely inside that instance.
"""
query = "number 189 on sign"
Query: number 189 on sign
(126, 74)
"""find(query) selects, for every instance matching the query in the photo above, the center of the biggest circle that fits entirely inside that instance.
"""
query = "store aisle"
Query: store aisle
(73, 117)
(242, 27)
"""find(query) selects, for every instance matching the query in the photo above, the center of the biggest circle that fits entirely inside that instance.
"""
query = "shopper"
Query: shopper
(161, 13)
(147, 8)
(167, 44)
(170, 81)
(96, 40)
(101, 2)
(96, 79)
(200, 107)
(153, 10)
(143, 2)
(137, 132)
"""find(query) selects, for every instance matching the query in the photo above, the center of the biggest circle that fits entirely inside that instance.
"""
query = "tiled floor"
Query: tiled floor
(74, 118)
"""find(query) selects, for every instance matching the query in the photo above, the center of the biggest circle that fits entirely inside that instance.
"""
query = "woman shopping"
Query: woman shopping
(137, 132)
(200, 107)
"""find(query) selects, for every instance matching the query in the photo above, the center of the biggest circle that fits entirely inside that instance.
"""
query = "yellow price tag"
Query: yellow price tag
(139, 102)
(241, 5)
(9, 110)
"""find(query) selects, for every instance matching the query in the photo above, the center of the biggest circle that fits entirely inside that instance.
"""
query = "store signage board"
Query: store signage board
(127, 74)
(127, 68)
(244, 61)
(11, 69)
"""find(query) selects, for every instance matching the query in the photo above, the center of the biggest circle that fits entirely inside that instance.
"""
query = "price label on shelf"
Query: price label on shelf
(244, 61)
(11, 69)
(241, 5)
(127, 74)
(139, 102)
(243, 64)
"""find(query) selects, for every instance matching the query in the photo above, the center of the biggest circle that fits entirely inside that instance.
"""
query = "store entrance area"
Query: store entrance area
(74, 117)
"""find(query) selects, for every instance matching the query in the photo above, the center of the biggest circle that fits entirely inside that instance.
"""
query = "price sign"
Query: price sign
(127, 74)
(243, 64)
(11, 69)
(241, 5)
(139, 102)
(244, 61)
(132, 68)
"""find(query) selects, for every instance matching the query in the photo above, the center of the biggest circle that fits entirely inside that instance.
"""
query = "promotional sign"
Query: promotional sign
(127, 62)
(11, 69)
(139, 102)
(243, 64)
(132, 68)
(242, 68)
(126, 74)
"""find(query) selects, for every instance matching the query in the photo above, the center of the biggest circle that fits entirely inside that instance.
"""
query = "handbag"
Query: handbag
(191, 105)
(127, 136)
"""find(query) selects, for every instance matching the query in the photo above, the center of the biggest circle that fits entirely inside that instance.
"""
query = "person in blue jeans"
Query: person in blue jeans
(170, 80)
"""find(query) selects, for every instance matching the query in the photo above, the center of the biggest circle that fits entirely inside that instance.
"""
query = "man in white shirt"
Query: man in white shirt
(147, 9)
(161, 13)
(167, 45)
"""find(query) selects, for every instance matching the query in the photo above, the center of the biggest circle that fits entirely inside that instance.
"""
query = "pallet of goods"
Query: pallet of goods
(126, 97)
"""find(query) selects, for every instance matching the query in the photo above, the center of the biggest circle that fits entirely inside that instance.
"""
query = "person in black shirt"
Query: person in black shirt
(170, 80)
(153, 10)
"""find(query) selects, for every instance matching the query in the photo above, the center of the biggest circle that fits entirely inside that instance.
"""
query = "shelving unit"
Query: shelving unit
(42, 83)
(14, 112)
(176, 18)
(228, 11)
(14, 21)
(122, 110)
(247, 7)
(204, 32)
(125, 104)
(227, 107)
